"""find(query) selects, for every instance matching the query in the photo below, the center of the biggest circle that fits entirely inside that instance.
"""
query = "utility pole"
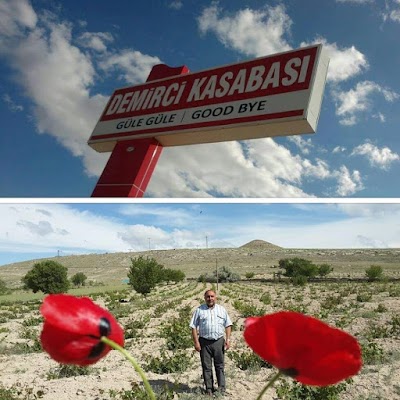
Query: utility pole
(149, 244)
(206, 242)
(216, 271)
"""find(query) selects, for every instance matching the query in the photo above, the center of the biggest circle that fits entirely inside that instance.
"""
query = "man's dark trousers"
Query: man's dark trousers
(213, 349)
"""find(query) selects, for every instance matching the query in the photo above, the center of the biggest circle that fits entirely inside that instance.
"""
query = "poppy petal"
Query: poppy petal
(69, 348)
(73, 327)
(313, 352)
(79, 315)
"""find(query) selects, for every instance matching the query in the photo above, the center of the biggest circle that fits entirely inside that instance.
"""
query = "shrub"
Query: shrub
(364, 297)
(394, 292)
(26, 348)
(226, 275)
(265, 298)
(222, 275)
(249, 275)
(176, 332)
(32, 321)
(48, 277)
(331, 302)
(167, 364)
(298, 267)
(372, 353)
(247, 360)
(67, 370)
(172, 275)
(8, 394)
(3, 287)
(144, 274)
(299, 280)
(139, 393)
(324, 270)
(79, 279)
(381, 308)
(375, 331)
(247, 309)
(395, 325)
(202, 278)
(374, 273)
(132, 327)
(297, 391)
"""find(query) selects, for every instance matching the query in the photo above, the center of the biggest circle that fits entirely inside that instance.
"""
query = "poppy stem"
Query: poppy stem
(139, 370)
(269, 384)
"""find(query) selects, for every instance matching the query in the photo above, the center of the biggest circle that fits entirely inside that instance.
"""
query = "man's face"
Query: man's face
(210, 298)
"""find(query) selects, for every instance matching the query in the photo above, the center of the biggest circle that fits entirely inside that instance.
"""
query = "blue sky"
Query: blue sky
(61, 60)
(30, 231)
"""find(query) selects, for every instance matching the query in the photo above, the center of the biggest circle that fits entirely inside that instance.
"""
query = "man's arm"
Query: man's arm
(228, 331)
(196, 339)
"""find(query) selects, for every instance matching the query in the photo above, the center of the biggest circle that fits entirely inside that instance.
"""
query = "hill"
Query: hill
(256, 256)
(260, 245)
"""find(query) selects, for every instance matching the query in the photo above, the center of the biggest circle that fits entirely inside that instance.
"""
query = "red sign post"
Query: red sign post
(132, 162)
(269, 96)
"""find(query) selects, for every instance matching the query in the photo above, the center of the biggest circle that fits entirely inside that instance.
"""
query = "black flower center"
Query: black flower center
(96, 350)
(292, 372)
(104, 327)
(105, 330)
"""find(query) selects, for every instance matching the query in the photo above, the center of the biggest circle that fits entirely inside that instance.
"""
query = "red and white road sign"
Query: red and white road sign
(269, 96)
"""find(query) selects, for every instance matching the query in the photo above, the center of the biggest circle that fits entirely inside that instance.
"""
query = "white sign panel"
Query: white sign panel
(270, 96)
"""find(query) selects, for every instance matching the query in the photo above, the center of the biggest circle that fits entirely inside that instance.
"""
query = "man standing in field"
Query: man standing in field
(209, 323)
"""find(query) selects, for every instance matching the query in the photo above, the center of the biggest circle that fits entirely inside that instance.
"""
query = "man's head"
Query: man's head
(210, 297)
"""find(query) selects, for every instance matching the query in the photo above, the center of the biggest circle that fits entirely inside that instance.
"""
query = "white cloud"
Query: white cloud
(252, 32)
(14, 15)
(161, 214)
(29, 230)
(348, 182)
(262, 32)
(378, 157)
(176, 5)
(339, 149)
(355, 1)
(11, 104)
(26, 228)
(51, 228)
(344, 63)
(58, 77)
(303, 144)
(392, 11)
(352, 103)
(395, 15)
(95, 40)
(379, 116)
(256, 168)
(371, 210)
(369, 242)
(133, 65)
(319, 170)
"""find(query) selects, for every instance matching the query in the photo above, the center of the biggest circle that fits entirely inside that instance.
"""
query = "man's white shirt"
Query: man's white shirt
(211, 322)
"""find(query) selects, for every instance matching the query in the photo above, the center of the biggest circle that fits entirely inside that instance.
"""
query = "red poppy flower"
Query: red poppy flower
(304, 347)
(73, 327)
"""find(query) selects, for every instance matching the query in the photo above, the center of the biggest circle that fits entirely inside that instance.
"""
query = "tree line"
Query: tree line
(52, 277)
(146, 273)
